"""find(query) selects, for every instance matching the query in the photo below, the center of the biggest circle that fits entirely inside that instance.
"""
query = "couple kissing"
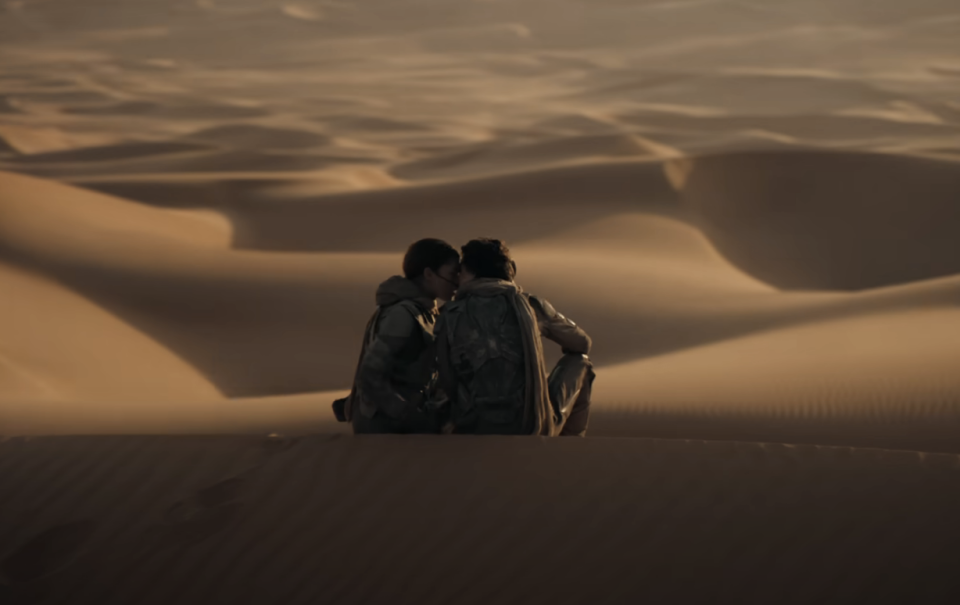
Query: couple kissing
(474, 365)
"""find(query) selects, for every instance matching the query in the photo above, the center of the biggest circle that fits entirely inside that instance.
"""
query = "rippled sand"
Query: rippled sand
(751, 207)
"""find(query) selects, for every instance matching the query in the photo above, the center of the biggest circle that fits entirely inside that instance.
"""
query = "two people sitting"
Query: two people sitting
(476, 366)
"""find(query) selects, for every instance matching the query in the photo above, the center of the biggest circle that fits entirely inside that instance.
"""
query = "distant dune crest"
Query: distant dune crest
(751, 208)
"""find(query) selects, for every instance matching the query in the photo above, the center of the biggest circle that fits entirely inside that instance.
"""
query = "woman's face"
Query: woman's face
(466, 276)
(443, 283)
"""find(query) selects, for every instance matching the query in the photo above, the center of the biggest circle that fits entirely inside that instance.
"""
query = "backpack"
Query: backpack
(486, 354)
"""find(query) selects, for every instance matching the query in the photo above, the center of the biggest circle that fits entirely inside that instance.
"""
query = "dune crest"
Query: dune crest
(734, 200)
(40, 217)
(645, 283)
(752, 208)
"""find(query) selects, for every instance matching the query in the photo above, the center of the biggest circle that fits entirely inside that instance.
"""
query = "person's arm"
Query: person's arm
(560, 329)
(374, 385)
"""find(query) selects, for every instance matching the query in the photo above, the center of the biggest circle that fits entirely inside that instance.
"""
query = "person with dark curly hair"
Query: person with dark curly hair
(397, 368)
(490, 354)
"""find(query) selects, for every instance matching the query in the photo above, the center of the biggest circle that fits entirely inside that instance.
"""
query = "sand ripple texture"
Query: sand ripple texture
(472, 520)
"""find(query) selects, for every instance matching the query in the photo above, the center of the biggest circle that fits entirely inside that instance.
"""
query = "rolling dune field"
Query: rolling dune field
(752, 208)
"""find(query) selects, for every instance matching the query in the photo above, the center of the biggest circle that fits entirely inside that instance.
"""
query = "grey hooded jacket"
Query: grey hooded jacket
(397, 368)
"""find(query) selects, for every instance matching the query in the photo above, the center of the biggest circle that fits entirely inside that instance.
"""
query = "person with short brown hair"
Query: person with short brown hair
(490, 354)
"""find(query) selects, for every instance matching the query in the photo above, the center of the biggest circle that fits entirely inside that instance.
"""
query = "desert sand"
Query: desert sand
(343, 519)
(752, 208)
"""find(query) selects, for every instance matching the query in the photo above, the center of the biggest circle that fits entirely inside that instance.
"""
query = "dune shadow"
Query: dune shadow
(282, 215)
(504, 157)
(795, 220)
(345, 123)
(515, 207)
(6, 107)
(172, 111)
(107, 153)
(826, 129)
(62, 97)
(251, 136)
(824, 220)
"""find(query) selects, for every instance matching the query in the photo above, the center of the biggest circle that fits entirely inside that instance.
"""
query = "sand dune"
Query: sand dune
(350, 124)
(108, 153)
(296, 318)
(162, 270)
(155, 520)
(6, 107)
(830, 221)
(184, 165)
(57, 346)
(259, 137)
(43, 217)
(37, 410)
(751, 207)
(674, 290)
(517, 158)
(197, 111)
(751, 94)
(875, 380)
(713, 190)
(557, 198)
(43, 139)
(813, 129)
(62, 97)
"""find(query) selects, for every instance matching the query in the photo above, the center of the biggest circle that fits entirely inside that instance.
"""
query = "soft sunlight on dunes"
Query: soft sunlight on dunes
(699, 186)
(752, 208)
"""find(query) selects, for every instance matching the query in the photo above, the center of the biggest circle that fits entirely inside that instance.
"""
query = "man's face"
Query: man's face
(443, 283)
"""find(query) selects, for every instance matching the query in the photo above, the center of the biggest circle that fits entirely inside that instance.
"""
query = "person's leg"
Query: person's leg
(576, 423)
(570, 385)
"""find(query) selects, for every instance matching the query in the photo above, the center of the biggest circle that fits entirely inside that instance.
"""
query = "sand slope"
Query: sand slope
(830, 221)
(472, 520)
(59, 346)
(751, 207)
(662, 290)
(881, 379)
